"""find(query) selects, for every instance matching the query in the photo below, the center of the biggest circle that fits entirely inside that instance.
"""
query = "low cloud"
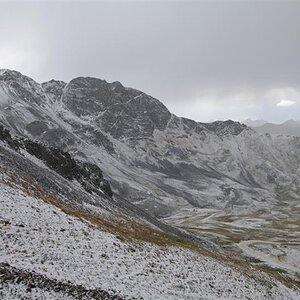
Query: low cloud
(285, 103)
(204, 60)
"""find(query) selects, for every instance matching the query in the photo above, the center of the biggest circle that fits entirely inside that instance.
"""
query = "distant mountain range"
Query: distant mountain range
(290, 127)
(254, 123)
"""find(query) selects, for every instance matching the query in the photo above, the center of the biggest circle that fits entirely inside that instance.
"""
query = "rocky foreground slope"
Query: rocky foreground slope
(48, 251)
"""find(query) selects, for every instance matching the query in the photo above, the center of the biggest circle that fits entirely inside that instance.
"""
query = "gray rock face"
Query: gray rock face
(36, 128)
(122, 112)
(161, 162)
(53, 89)
(88, 175)
(226, 127)
(22, 87)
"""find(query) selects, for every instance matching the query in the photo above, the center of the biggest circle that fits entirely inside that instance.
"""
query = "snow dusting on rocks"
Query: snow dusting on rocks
(40, 239)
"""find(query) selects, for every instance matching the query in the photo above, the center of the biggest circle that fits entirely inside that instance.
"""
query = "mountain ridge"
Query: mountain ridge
(289, 127)
(159, 161)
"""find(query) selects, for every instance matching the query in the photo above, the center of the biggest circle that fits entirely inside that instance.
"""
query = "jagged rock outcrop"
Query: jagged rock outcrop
(53, 89)
(88, 175)
(32, 280)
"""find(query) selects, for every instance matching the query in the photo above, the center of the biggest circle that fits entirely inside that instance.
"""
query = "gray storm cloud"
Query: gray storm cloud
(204, 60)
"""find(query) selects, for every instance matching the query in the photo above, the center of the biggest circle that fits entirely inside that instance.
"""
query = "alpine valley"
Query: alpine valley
(105, 194)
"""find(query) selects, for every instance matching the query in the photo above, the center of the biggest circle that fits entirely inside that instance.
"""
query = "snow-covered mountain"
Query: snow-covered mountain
(95, 177)
(151, 157)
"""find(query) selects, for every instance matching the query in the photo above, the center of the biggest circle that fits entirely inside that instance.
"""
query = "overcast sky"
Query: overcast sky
(203, 60)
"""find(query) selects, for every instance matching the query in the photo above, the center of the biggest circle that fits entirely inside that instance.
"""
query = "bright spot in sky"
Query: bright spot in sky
(285, 103)
(24, 53)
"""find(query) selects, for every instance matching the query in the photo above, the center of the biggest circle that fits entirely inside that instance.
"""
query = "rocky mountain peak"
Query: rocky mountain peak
(54, 89)
(6, 73)
(118, 87)
(226, 127)
(120, 111)
(9, 76)
(18, 85)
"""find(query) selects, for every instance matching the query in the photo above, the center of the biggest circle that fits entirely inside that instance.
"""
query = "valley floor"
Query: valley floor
(267, 238)
(47, 254)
